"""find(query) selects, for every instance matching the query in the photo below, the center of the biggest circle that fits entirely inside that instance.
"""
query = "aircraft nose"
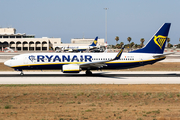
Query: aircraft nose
(7, 63)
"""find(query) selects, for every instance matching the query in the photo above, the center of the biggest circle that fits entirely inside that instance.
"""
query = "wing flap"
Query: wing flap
(93, 64)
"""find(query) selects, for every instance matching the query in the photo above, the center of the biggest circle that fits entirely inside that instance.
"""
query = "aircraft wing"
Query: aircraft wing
(99, 64)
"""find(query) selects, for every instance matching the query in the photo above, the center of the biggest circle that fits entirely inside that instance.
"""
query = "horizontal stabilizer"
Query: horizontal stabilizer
(162, 55)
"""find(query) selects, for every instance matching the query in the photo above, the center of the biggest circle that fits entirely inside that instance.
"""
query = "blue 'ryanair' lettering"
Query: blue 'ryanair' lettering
(65, 58)
(40, 58)
(75, 58)
(57, 58)
(88, 57)
(49, 58)
(81, 58)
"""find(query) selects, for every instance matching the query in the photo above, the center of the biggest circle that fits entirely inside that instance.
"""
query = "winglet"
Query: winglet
(94, 42)
(119, 54)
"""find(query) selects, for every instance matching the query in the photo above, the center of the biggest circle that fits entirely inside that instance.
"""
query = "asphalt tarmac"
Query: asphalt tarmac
(98, 77)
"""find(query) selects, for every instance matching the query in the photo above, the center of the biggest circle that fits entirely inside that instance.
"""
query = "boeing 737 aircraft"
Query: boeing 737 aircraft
(76, 62)
(79, 48)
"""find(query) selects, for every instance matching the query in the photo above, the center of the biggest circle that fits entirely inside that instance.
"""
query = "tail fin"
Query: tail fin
(157, 43)
(94, 42)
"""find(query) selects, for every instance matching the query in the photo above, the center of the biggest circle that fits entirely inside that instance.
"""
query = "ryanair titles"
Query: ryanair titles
(60, 58)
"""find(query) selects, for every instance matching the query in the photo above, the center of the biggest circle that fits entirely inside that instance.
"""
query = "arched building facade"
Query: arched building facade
(23, 42)
(32, 44)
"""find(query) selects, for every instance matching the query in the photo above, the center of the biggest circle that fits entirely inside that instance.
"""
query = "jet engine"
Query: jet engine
(70, 68)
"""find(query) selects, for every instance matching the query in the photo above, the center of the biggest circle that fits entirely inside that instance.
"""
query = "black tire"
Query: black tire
(88, 72)
(21, 74)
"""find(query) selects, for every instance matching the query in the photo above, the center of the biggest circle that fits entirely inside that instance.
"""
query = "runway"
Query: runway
(109, 77)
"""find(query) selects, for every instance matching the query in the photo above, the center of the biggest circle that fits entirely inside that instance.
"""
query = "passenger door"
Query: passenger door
(26, 60)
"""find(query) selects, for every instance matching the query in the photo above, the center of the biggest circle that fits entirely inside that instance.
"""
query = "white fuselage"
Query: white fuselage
(76, 48)
(57, 60)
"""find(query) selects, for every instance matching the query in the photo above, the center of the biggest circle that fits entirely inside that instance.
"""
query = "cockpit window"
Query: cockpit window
(12, 58)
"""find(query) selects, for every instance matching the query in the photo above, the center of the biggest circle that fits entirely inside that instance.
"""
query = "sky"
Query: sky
(67, 19)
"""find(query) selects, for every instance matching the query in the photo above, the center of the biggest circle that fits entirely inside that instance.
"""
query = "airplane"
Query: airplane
(151, 53)
(78, 48)
(8, 49)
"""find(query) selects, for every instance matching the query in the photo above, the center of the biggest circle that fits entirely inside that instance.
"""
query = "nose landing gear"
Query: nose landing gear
(20, 70)
(21, 73)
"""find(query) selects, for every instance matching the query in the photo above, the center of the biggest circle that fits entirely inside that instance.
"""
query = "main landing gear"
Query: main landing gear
(88, 72)
(21, 73)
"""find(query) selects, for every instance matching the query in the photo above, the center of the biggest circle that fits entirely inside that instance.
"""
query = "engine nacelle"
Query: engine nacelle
(70, 68)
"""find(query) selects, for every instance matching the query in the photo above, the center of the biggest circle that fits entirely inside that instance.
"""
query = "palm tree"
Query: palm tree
(131, 45)
(136, 45)
(117, 39)
(118, 46)
(129, 39)
(142, 42)
(121, 44)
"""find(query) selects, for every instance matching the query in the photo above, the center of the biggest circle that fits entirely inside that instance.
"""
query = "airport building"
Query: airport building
(23, 42)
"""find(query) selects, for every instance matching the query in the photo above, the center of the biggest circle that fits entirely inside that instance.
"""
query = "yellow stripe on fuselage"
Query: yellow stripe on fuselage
(49, 64)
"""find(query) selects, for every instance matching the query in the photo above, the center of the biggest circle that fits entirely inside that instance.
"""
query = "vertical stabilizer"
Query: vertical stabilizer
(158, 41)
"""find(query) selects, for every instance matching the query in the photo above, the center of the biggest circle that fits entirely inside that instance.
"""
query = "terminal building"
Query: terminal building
(23, 42)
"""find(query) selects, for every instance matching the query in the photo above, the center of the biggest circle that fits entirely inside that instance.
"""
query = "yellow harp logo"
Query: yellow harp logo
(95, 42)
(160, 40)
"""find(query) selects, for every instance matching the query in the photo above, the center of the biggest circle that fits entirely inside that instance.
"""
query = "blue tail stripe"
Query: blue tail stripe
(157, 43)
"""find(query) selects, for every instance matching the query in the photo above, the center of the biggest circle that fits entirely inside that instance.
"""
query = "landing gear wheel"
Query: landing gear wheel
(88, 72)
(21, 73)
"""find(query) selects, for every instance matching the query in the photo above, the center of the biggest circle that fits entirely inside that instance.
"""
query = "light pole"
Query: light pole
(106, 23)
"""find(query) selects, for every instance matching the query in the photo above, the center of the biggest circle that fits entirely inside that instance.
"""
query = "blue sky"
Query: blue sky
(68, 19)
